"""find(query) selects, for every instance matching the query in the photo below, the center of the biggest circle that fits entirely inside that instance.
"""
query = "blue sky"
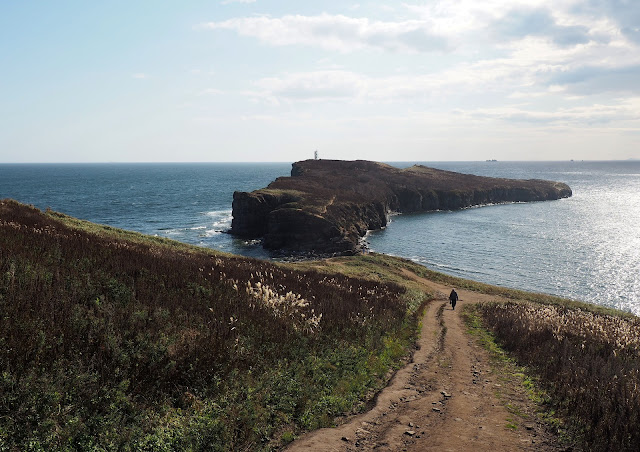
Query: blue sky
(273, 80)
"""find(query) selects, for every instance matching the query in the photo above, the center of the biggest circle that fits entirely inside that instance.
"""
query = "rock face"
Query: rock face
(326, 206)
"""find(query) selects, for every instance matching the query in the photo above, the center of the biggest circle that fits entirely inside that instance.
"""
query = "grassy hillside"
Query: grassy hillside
(115, 340)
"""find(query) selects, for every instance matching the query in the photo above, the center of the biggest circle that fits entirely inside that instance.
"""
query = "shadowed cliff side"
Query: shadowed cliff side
(326, 206)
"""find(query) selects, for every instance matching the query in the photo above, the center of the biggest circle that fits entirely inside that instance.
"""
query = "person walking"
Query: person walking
(453, 298)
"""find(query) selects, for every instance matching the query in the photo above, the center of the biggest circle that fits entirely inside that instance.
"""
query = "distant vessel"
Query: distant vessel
(492, 160)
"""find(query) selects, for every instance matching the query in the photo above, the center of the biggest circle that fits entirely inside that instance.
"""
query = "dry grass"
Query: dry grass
(117, 341)
(590, 363)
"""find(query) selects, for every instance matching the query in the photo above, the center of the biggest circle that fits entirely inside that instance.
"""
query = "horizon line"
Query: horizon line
(289, 161)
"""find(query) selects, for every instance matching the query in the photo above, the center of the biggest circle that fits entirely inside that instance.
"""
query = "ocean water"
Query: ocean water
(586, 247)
(181, 201)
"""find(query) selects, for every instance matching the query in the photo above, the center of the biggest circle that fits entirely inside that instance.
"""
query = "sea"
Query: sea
(586, 247)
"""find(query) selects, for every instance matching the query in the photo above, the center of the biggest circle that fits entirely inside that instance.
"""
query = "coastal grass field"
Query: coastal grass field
(113, 340)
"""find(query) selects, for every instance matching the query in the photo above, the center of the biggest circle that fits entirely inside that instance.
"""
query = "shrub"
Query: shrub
(591, 362)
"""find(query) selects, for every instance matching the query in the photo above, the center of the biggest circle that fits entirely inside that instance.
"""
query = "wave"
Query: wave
(218, 213)
(221, 218)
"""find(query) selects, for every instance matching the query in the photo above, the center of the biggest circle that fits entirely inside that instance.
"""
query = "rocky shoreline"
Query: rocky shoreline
(327, 206)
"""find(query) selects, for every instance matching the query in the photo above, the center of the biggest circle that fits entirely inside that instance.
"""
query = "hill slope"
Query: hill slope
(111, 340)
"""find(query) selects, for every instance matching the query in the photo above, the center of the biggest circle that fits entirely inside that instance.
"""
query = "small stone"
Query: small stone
(437, 410)
(458, 419)
(529, 426)
(410, 432)
(445, 394)
(345, 439)
(410, 424)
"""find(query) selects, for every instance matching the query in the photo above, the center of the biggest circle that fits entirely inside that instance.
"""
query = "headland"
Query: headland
(327, 206)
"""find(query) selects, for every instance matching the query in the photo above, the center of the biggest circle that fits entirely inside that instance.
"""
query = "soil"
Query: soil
(448, 398)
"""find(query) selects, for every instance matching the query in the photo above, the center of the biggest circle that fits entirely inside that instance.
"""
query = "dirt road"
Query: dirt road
(447, 399)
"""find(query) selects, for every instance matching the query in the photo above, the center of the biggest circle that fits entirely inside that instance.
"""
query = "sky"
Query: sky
(271, 80)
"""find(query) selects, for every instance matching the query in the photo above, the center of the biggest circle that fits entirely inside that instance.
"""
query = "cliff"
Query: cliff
(326, 206)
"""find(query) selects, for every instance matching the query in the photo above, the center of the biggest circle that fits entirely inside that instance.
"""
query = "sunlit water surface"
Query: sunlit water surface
(586, 247)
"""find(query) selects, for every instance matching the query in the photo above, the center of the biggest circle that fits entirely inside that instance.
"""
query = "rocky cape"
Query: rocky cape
(327, 206)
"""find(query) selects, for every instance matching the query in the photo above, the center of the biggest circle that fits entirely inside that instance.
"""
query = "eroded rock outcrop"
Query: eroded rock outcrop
(326, 206)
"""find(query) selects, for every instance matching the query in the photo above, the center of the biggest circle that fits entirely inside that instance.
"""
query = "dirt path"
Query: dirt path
(446, 399)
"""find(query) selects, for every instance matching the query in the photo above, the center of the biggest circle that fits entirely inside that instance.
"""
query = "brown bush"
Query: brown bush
(590, 363)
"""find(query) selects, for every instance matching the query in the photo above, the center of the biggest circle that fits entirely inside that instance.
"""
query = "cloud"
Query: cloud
(539, 59)
(310, 86)
(625, 13)
(582, 116)
(337, 33)
(348, 86)
(140, 75)
(520, 23)
(599, 79)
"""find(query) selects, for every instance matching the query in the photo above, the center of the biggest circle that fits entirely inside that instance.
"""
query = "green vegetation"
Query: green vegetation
(112, 340)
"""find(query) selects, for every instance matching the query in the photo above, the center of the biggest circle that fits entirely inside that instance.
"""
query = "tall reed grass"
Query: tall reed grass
(589, 361)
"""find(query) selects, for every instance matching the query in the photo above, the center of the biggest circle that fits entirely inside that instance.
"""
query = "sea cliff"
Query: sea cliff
(327, 206)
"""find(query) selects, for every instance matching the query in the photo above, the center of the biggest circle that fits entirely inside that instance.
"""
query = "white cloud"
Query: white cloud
(503, 76)
(140, 75)
(507, 90)
(337, 32)
(528, 63)
(311, 86)
(580, 116)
